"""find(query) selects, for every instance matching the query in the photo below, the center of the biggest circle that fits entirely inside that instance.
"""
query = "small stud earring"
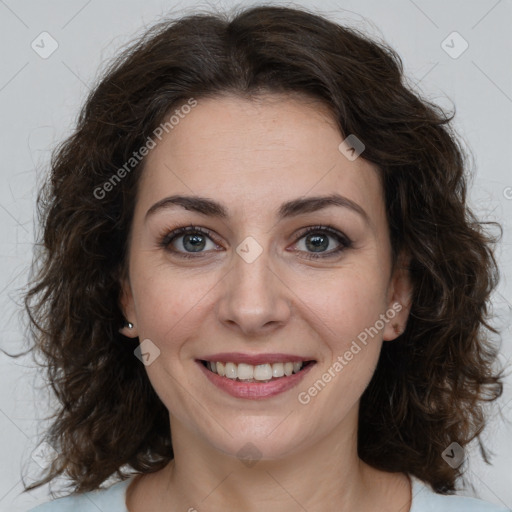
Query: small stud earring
(129, 325)
(397, 328)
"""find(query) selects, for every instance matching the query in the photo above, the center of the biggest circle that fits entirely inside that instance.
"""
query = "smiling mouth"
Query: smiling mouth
(260, 373)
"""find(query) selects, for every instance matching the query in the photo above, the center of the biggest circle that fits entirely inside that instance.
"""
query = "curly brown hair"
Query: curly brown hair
(431, 385)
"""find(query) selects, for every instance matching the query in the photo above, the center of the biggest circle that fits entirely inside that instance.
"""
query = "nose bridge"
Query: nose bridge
(253, 297)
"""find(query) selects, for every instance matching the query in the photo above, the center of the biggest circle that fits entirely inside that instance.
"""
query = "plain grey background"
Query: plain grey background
(40, 95)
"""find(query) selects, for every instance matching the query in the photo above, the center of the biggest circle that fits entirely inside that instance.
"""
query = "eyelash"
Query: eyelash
(167, 238)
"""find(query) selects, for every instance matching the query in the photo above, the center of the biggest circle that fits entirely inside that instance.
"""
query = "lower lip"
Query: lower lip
(255, 390)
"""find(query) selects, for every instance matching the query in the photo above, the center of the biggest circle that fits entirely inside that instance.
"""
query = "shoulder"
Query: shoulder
(111, 499)
(424, 499)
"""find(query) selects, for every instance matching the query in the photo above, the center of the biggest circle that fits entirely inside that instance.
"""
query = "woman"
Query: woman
(257, 240)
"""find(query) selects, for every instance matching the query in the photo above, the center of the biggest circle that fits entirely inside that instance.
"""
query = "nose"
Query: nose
(255, 299)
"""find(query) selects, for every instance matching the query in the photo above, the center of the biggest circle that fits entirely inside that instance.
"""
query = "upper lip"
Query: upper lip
(254, 359)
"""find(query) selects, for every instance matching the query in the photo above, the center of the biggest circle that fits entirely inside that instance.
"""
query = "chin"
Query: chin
(264, 441)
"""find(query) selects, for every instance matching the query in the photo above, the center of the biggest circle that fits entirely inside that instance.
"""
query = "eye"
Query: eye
(318, 239)
(194, 241)
(188, 240)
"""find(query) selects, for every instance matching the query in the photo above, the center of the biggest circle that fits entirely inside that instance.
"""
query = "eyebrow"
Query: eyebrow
(212, 208)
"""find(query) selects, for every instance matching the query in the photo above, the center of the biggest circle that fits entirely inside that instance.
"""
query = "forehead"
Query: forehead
(253, 153)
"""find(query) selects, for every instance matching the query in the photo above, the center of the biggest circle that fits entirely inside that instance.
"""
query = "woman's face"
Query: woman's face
(250, 284)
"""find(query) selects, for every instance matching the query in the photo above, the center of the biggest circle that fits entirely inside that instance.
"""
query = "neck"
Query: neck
(321, 477)
(324, 476)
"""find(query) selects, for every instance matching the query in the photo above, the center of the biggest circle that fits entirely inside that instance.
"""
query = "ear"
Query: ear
(128, 308)
(399, 300)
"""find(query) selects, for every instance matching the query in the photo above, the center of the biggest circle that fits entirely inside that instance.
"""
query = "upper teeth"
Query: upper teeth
(244, 371)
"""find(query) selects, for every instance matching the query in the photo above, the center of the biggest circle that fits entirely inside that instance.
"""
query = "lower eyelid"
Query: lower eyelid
(331, 253)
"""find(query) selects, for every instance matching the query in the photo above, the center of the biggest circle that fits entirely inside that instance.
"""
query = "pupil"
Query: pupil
(318, 242)
(197, 242)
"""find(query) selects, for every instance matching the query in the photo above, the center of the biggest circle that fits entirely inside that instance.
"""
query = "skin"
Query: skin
(253, 155)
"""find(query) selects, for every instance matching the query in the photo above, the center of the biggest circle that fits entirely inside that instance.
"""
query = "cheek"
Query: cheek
(355, 314)
(345, 311)
(344, 304)
(346, 323)
(167, 304)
